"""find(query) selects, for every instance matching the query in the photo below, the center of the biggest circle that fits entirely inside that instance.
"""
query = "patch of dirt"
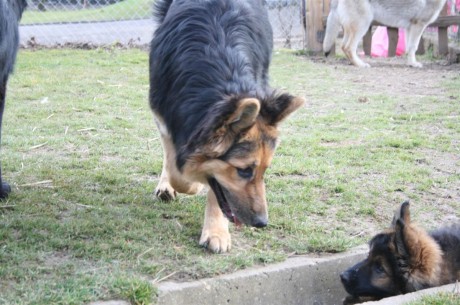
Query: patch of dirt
(392, 75)
(440, 203)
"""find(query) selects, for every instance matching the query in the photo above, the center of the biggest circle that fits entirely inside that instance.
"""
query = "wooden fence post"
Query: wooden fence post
(443, 39)
(315, 30)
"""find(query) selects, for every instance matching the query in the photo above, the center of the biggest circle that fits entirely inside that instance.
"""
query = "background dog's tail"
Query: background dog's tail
(332, 28)
(160, 9)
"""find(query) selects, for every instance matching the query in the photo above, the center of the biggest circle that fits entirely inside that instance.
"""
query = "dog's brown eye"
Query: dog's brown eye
(245, 173)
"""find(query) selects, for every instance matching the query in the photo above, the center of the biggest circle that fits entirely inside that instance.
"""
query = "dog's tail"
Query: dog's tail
(160, 9)
(332, 28)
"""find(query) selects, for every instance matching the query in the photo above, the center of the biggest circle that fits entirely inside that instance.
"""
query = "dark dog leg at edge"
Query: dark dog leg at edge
(5, 188)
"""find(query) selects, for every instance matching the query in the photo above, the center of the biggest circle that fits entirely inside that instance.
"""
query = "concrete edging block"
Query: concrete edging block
(298, 280)
(405, 298)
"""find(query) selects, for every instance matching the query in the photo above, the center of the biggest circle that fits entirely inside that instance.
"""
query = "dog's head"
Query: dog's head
(233, 148)
(402, 259)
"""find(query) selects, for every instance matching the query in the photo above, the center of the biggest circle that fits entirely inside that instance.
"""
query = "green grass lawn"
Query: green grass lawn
(442, 298)
(82, 153)
(123, 10)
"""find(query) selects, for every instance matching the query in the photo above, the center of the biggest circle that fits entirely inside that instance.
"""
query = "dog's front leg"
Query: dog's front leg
(215, 235)
(5, 188)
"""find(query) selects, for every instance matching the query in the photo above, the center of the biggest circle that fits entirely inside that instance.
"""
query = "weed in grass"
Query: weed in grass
(137, 291)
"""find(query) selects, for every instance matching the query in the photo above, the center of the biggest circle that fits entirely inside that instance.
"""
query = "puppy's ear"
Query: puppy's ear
(401, 238)
(402, 213)
(278, 107)
(419, 255)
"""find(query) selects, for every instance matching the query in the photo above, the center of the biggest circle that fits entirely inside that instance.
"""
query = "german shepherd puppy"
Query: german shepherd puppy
(356, 17)
(404, 259)
(214, 109)
(10, 14)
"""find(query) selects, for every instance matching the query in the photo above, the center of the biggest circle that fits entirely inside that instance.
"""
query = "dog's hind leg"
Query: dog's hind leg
(171, 179)
(5, 188)
(414, 33)
(215, 235)
(354, 32)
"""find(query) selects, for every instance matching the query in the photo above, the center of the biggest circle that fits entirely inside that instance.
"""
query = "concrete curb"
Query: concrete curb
(298, 280)
(403, 299)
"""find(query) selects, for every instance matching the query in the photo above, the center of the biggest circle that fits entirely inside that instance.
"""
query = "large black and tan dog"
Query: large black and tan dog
(10, 14)
(215, 111)
(403, 259)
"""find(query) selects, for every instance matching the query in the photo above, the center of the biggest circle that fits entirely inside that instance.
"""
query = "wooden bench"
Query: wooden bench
(442, 23)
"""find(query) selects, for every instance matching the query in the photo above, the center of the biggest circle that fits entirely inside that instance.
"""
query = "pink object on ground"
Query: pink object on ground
(379, 47)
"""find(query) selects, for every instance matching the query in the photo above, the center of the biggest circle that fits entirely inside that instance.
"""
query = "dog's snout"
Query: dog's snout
(345, 277)
(259, 221)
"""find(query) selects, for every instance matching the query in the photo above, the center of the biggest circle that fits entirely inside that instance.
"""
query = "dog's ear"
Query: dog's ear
(244, 116)
(224, 121)
(277, 107)
(419, 255)
(402, 213)
(400, 223)
(400, 238)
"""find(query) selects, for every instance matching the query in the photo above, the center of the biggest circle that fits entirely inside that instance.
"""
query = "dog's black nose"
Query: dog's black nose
(259, 222)
(345, 277)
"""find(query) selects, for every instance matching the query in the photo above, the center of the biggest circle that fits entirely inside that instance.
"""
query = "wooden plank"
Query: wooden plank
(393, 36)
(367, 42)
(443, 41)
(442, 21)
(421, 47)
(315, 26)
(445, 21)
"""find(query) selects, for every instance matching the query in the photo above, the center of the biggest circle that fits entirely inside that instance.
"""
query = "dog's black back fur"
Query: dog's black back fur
(204, 55)
(10, 14)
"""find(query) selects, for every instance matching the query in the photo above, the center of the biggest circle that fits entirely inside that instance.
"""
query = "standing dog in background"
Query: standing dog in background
(10, 14)
(405, 259)
(356, 17)
(216, 114)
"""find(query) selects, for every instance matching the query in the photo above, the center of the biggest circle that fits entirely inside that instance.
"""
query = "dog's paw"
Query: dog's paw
(217, 241)
(363, 64)
(165, 192)
(415, 64)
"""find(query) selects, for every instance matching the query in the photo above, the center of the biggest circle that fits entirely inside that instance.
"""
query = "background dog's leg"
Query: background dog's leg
(215, 235)
(414, 33)
(5, 188)
(345, 40)
(355, 32)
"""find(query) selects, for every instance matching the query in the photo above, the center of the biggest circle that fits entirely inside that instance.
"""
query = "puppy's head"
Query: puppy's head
(233, 148)
(375, 276)
(402, 259)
